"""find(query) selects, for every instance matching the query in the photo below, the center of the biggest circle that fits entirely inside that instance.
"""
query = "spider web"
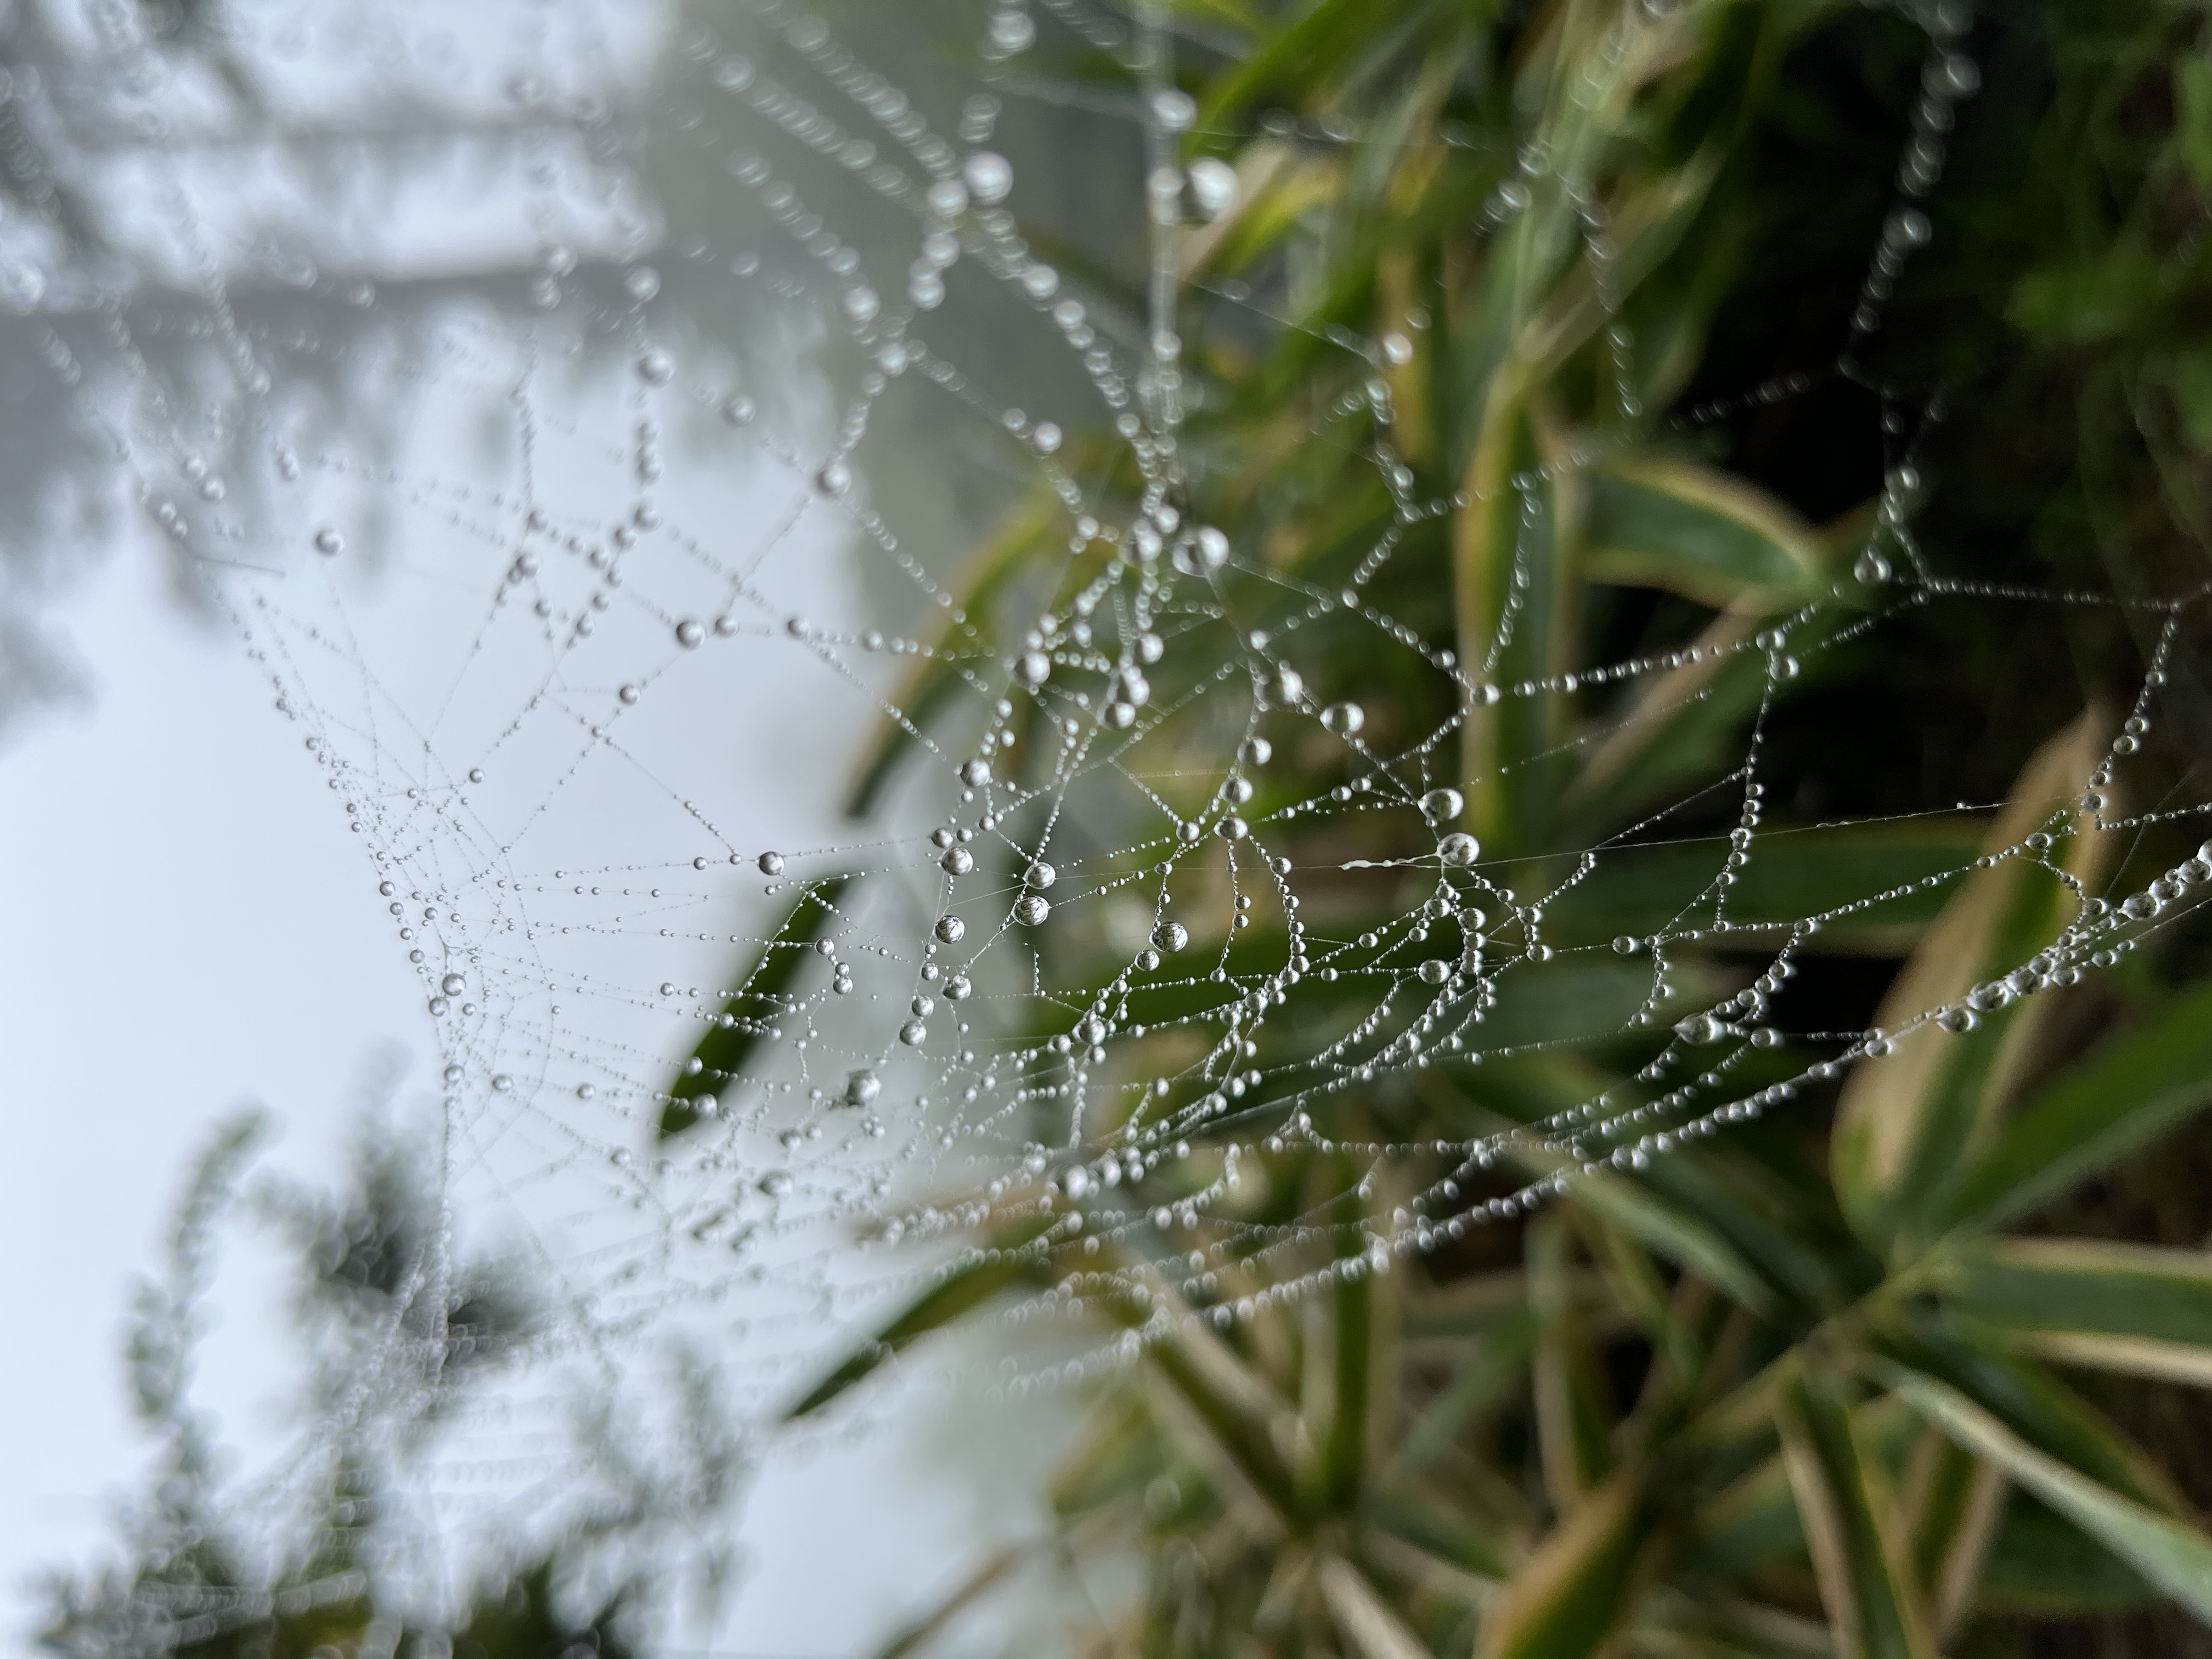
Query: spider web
(673, 526)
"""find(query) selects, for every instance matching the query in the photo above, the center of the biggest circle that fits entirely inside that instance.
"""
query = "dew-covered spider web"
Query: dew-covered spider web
(817, 887)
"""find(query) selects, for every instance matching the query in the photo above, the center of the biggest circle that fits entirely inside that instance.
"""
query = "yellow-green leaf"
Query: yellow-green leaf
(2093, 1303)
(1660, 521)
(1579, 1583)
(2172, 1555)
(1906, 1122)
(2133, 1088)
(1851, 1525)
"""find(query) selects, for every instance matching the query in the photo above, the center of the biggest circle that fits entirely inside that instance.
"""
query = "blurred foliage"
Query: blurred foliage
(299, 1569)
(1905, 1367)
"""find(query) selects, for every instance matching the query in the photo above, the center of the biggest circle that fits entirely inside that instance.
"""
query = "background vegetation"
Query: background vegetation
(1899, 1365)
(1905, 1364)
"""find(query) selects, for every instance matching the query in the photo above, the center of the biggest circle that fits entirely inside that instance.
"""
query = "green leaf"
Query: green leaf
(1677, 1234)
(2131, 1090)
(1360, 1393)
(1578, 1584)
(724, 1053)
(1005, 1267)
(2131, 1308)
(1660, 521)
(2171, 1555)
(2193, 97)
(2122, 290)
(1371, 1630)
(1575, 1411)
(2033, 1401)
(2043, 1566)
(938, 679)
(1637, 890)
(1906, 1122)
(1499, 1364)
(1860, 1554)
(1514, 602)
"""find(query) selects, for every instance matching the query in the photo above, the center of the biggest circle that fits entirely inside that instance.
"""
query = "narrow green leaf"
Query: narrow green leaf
(1371, 1630)
(1676, 1233)
(2172, 1555)
(2131, 1308)
(1575, 1412)
(1004, 1267)
(1578, 1584)
(1513, 598)
(2131, 1090)
(1906, 1122)
(1795, 871)
(1660, 521)
(724, 1053)
(1848, 1514)
(2043, 1566)
(938, 679)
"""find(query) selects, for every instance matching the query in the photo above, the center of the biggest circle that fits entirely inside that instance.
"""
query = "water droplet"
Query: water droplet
(913, 1033)
(1958, 1020)
(329, 543)
(585, 1092)
(627, 694)
(689, 633)
(975, 773)
(1171, 936)
(1011, 31)
(1031, 909)
(1174, 109)
(957, 861)
(989, 176)
(1700, 1029)
(771, 864)
(1627, 944)
(656, 367)
(862, 1086)
(950, 929)
(1040, 875)
(1443, 805)
(835, 479)
(1871, 569)
(861, 303)
(501, 1083)
(948, 199)
(775, 1184)
(1435, 971)
(1213, 186)
(737, 409)
(1345, 719)
(1288, 685)
(1255, 752)
(1459, 849)
(1034, 668)
(642, 282)
(452, 985)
